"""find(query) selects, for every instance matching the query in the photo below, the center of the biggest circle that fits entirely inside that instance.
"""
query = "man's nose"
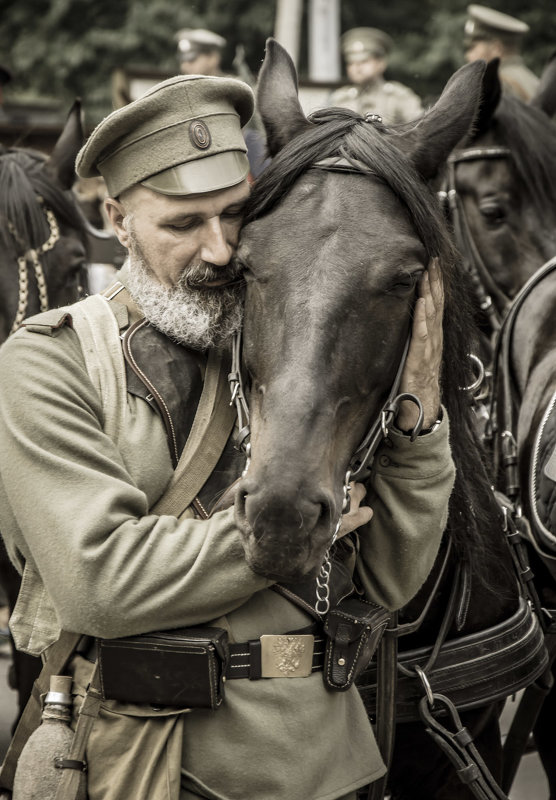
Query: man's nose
(215, 247)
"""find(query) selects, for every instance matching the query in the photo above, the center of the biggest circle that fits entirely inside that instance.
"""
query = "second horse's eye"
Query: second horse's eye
(493, 213)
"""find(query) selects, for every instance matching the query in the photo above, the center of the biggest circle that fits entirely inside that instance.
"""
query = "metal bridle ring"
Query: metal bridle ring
(481, 376)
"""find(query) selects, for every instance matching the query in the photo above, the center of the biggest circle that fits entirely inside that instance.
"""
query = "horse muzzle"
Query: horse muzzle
(285, 534)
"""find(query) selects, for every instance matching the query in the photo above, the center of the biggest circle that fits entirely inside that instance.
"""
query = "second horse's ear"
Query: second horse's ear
(545, 96)
(61, 163)
(434, 137)
(277, 98)
(491, 93)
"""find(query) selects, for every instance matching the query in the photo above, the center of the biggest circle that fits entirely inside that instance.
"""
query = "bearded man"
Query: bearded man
(115, 445)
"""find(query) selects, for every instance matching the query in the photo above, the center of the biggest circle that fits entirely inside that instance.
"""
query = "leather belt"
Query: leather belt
(288, 655)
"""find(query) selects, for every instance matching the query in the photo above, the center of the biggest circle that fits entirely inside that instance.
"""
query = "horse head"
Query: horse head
(503, 182)
(340, 227)
(43, 253)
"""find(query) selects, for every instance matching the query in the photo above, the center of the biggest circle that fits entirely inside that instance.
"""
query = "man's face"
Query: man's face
(179, 258)
(484, 49)
(204, 64)
(361, 72)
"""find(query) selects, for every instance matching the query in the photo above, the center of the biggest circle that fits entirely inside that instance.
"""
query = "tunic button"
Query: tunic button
(384, 461)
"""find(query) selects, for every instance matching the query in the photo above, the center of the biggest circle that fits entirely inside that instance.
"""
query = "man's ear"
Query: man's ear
(117, 214)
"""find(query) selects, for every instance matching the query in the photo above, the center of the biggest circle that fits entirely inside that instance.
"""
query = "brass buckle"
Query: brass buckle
(287, 655)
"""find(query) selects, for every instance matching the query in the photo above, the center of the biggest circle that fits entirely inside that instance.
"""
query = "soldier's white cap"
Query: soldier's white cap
(193, 41)
(486, 23)
(359, 44)
(181, 137)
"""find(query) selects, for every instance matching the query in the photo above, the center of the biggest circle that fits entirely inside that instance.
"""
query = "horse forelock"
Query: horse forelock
(372, 150)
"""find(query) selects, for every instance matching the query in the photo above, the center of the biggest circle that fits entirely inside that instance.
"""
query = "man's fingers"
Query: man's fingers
(436, 285)
(357, 492)
(357, 515)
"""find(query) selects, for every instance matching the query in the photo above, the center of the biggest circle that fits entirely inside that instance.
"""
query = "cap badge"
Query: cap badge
(200, 135)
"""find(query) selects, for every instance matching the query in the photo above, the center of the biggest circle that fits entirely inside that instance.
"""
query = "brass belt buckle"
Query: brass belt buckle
(287, 655)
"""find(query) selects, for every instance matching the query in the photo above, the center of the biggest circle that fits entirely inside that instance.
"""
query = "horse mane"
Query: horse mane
(23, 180)
(371, 149)
(531, 136)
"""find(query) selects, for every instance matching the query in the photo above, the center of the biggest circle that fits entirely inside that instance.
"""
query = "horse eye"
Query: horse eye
(493, 213)
(404, 283)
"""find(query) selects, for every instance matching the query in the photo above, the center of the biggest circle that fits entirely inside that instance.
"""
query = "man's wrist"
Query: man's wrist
(424, 431)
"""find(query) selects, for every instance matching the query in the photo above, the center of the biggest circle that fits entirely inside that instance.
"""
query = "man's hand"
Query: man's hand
(421, 375)
(357, 515)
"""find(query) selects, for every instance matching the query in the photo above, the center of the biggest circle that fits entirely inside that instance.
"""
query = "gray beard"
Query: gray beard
(197, 318)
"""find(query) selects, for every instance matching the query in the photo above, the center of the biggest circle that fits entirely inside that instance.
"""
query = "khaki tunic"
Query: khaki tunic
(394, 102)
(518, 78)
(76, 510)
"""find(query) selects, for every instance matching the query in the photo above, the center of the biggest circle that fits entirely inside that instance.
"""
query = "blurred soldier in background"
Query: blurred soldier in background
(366, 51)
(490, 34)
(200, 51)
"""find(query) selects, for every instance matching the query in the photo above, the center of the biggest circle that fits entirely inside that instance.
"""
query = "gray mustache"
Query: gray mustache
(205, 272)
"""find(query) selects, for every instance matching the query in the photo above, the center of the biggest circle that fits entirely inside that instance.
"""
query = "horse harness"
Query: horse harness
(32, 256)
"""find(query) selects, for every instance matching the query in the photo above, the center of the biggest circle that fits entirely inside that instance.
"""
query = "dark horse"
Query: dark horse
(505, 181)
(43, 264)
(502, 182)
(332, 261)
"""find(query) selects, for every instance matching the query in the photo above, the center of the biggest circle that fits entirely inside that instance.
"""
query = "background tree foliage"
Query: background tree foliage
(59, 49)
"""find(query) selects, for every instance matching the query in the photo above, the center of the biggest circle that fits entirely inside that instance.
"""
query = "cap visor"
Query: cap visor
(209, 174)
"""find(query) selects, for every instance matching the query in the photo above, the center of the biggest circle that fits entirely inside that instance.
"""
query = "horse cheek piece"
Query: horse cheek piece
(329, 331)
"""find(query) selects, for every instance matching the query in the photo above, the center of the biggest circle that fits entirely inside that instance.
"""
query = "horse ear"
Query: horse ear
(61, 163)
(277, 98)
(545, 96)
(434, 137)
(490, 97)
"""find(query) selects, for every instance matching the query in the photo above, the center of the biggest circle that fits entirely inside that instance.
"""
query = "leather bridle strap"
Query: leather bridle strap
(360, 463)
(458, 746)
(484, 286)
(502, 372)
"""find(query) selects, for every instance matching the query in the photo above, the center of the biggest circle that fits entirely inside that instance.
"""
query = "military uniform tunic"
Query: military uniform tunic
(75, 509)
(394, 102)
(518, 78)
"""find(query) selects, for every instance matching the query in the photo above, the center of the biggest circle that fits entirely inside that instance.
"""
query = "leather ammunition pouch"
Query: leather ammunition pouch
(353, 630)
(181, 668)
(473, 670)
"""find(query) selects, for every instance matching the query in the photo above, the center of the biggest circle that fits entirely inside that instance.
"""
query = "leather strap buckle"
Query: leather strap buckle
(287, 655)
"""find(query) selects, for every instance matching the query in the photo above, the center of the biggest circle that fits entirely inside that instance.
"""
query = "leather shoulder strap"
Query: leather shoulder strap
(209, 433)
(211, 429)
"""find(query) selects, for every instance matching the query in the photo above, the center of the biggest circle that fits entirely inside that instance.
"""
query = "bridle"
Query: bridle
(32, 256)
(361, 461)
(483, 285)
